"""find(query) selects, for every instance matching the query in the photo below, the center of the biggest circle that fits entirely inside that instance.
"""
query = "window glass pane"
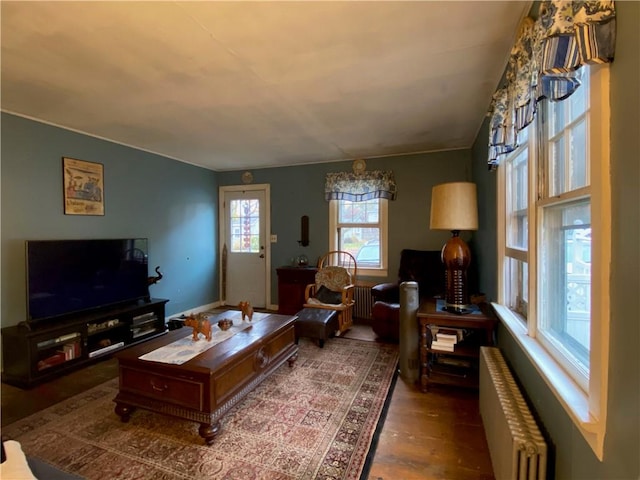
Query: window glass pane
(517, 199)
(578, 161)
(517, 286)
(556, 167)
(363, 244)
(578, 100)
(556, 118)
(245, 225)
(566, 131)
(358, 212)
(565, 283)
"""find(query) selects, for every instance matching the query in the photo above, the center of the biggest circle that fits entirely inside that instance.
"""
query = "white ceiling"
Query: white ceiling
(236, 85)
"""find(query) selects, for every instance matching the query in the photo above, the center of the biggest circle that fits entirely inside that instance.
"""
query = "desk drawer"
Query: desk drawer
(178, 391)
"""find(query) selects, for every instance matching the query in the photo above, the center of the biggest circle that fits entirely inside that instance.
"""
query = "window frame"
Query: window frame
(586, 405)
(518, 253)
(383, 225)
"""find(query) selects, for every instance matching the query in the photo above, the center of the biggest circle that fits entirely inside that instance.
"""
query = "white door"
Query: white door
(244, 245)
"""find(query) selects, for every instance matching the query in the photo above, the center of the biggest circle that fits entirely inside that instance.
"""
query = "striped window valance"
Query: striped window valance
(545, 63)
(359, 187)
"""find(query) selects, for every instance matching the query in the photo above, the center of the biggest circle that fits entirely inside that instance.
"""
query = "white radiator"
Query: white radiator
(364, 302)
(518, 450)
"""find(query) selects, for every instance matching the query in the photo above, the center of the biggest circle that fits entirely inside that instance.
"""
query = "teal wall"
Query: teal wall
(175, 205)
(172, 204)
(572, 457)
(299, 190)
(484, 244)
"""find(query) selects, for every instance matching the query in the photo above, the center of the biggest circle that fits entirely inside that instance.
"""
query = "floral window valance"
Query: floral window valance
(359, 187)
(545, 63)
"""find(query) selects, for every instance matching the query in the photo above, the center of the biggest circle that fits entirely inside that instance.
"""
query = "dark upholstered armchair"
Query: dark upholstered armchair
(422, 266)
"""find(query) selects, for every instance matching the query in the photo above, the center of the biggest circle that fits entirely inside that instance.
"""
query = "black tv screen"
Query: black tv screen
(67, 276)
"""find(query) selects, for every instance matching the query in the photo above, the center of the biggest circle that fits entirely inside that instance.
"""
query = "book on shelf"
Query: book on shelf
(106, 349)
(446, 337)
(454, 361)
(69, 336)
(448, 333)
(144, 317)
(139, 332)
(69, 350)
(443, 346)
(52, 360)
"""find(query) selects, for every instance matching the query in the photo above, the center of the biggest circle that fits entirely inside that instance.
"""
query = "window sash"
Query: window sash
(337, 233)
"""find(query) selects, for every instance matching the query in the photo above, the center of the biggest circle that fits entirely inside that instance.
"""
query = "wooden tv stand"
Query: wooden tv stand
(33, 354)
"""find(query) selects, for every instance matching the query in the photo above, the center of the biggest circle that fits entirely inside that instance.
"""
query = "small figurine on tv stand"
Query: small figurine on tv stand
(155, 279)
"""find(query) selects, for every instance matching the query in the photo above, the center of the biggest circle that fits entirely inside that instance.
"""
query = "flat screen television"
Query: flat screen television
(69, 276)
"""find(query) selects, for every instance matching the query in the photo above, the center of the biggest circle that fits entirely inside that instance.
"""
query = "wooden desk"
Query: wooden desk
(204, 388)
(460, 366)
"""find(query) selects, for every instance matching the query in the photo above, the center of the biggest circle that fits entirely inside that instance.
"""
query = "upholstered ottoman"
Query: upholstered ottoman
(385, 320)
(316, 323)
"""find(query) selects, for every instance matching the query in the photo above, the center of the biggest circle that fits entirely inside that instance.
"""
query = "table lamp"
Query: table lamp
(454, 207)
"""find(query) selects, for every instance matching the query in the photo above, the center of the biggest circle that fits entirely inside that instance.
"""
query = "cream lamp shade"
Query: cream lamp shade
(454, 206)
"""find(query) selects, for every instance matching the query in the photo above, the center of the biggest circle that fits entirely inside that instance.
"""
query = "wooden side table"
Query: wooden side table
(460, 366)
(292, 282)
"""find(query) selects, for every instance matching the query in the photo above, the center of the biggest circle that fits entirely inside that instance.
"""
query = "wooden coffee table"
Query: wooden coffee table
(204, 388)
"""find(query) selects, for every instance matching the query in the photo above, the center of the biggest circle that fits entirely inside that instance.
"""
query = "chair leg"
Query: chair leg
(344, 321)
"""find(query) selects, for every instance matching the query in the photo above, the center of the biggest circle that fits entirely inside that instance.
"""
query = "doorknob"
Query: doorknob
(262, 255)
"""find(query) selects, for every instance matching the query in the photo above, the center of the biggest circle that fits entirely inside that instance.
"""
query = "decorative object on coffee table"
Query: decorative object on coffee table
(200, 324)
(225, 324)
(246, 309)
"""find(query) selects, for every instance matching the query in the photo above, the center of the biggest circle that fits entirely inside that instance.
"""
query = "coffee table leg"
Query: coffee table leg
(209, 431)
(124, 411)
(292, 359)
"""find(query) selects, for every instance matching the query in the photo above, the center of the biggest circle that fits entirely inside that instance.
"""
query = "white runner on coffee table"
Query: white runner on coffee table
(186, 348)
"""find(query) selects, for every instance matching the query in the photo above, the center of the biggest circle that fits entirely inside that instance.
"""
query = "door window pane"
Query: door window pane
(245, 226)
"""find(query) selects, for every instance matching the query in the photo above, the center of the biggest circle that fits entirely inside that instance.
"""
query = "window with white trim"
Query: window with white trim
(360, 228)
(554, 248)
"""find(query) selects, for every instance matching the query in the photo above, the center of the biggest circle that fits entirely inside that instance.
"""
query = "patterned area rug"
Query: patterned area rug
(313, 421)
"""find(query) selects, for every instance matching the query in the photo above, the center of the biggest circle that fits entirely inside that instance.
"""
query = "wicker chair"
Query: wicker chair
(334, 286)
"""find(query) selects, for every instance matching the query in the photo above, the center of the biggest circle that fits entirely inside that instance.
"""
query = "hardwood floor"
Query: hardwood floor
(437, 435)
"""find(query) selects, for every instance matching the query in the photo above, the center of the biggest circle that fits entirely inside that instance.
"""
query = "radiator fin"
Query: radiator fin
(364, 302)
(518, 449)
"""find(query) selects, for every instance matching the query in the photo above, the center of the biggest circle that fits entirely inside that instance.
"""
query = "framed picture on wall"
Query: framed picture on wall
(83, 187)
